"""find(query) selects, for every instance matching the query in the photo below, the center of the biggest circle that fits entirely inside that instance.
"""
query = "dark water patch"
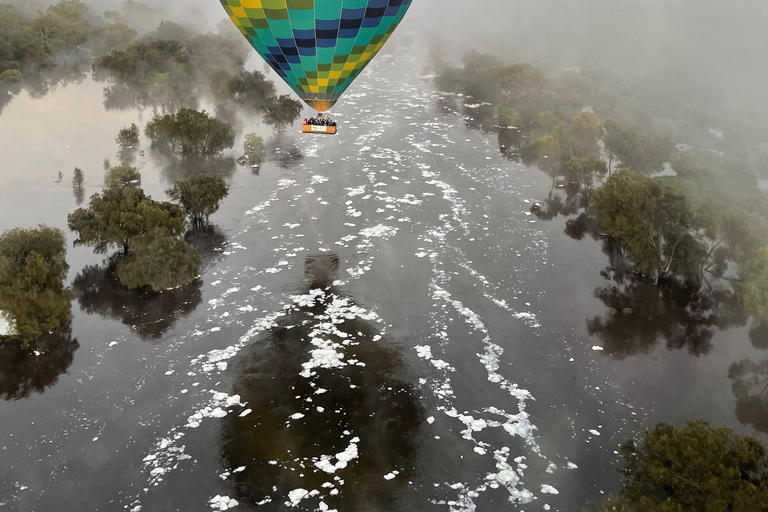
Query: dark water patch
(26, 371)
(149, 314)
(749, 382)
(210, 242)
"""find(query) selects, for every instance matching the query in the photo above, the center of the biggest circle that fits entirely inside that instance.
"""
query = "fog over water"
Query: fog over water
(409, 316)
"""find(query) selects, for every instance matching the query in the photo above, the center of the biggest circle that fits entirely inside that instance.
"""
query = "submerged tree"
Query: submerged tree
(199, 196)
(127, 140)
(160, 261)
(281, 111)
(753, 288)
(122, 176)
(117, 215)
(749, 382)
(653, 222)
(254, 148)
(191, 132)
(548, 148)
(149, 233)
(690, 469)
(77, 178)
(584, 169)
(639, 151)
(33, 268)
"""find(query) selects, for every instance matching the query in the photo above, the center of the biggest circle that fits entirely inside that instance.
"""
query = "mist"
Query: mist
(708, 48)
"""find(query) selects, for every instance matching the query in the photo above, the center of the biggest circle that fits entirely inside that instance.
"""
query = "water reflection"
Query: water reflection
(284, 151)
(209, 242)
(149, 314)
(364, 411)
(79, 193)
(176, 168)
(758, 335)
(39, 84)
(642, 313)
(749, 382)
(479, 117)
(121, 96)
(27, 371)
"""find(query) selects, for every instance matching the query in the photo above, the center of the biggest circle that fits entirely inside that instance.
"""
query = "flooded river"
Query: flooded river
(381, 325)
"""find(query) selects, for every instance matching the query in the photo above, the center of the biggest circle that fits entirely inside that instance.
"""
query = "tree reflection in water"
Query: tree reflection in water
(176, 168)
(27, 371)
(642, 313)
(122, 96)
(749, 382)
(365, 407)
(149, 314)
(284, 151)
(209, 242)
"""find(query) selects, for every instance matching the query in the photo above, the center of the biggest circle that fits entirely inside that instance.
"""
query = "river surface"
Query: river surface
(381, 324)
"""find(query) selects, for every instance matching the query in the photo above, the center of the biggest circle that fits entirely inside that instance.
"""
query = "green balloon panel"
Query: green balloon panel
(317, 46)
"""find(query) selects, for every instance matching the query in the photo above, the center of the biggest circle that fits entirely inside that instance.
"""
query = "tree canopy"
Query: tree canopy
(33, 268)
(692, 468)
(653, 222)
(254, 148)
(191, 132)
(281, 111)
(118, 215)
(124, 175)
(199, 196)
(159, 260)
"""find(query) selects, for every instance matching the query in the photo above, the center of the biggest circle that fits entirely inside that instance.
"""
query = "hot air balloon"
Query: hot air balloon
(318, 47)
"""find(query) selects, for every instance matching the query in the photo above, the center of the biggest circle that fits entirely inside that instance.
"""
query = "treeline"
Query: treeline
(674, 212)
(31, 43)
(171, 56)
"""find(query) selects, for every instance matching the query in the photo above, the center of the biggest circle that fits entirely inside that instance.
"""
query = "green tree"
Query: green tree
(111, 37)
(150, 62)
(199, 196)
(251, 88)
(653, 222)
(122, 176)
(753, 287)
(77, 178)
(33, 268)
(191, 132)
(642, 152)
(507, 117)
(587, 129)
(10, 76)
(693, 468)
(584, 169)
(548, 148)
(107, 164)
(731, 234)
(117, 215)
(255, 149)
(128, 136)
(281, 111)
(62, 26)
(159, 260)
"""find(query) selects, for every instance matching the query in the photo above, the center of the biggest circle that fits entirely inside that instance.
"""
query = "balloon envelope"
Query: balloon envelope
(317, 46)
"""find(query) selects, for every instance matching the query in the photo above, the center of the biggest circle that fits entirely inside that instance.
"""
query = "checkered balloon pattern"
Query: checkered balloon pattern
(317, 46)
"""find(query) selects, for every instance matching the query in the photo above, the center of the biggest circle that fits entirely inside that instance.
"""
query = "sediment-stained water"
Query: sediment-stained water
(381, 325)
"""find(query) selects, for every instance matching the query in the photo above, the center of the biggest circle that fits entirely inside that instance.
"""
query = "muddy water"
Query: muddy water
(381, 325)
